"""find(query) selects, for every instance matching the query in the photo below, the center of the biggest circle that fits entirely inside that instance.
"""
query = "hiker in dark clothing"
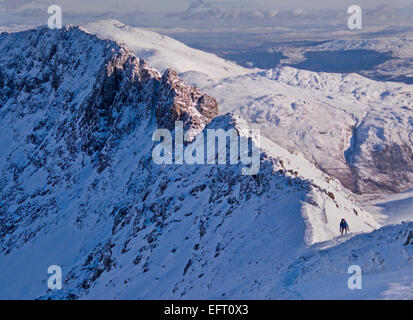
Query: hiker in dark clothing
(344, 226)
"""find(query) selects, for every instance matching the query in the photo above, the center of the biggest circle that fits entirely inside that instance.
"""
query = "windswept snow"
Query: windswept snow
(385, 257)
(163, 52)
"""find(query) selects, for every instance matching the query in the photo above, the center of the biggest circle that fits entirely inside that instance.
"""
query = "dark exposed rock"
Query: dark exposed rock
(180, 101)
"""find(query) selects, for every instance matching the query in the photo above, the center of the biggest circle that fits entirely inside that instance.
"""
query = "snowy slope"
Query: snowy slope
(79, 188)
(356, 129)
(385, 257)
(369, 149)
(163, 52)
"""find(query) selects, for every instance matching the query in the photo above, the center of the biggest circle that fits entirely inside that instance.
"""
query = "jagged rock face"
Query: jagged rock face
(77, 97)
(189, 104)
(123, 97)
(79, 188)
(108, 91)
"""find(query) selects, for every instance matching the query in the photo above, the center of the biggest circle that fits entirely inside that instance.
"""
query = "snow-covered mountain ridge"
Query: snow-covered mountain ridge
(369, 150)
(385, 257)
(164, 52)
(79, 188)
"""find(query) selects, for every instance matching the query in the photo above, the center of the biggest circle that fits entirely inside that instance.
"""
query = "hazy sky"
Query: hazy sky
(176, 5)
(179, 5)
(151, 13)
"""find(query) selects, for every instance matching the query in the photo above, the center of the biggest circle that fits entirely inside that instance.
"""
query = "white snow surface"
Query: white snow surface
(164, 52)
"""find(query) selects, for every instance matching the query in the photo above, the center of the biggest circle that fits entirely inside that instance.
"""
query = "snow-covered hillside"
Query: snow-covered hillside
(356, 129)
(385, 257)
(369, 148)
(164, 52)
(80, 189)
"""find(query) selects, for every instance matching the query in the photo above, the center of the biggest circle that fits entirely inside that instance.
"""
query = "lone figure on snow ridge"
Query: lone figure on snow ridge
(344, 226)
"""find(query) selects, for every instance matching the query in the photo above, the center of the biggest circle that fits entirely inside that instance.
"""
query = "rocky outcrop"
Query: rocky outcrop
(180, 101)
(67, 96)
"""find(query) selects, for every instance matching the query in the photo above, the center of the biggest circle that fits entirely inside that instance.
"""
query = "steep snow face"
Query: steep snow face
(79, 188)
(163, 52)
(385, 257)
(356, 129)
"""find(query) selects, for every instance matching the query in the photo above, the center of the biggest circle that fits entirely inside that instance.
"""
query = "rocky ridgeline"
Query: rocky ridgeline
(79, 187)
(66, 95)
